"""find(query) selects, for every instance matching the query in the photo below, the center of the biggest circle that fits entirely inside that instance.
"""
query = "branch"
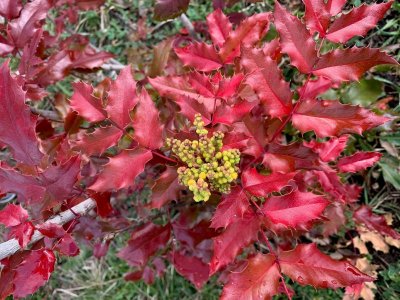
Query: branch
(10, 247)
(189, 26)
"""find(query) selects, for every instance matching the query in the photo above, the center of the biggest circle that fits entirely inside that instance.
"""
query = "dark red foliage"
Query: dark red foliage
(107, 142)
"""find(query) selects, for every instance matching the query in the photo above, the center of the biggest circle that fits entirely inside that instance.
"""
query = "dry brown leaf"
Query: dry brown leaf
(376, 239)
(392, 242)
(360, 245)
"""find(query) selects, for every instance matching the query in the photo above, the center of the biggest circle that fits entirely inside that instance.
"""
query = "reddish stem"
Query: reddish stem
(164, 157)
(296, 106)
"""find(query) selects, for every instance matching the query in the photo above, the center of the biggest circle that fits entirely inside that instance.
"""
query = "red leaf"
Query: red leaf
(143, 243)
(165, 189)
(296, 41)
(357, 22)
(317, 16)
(331, 118)
(349, 64)
(315, 87)
(261, 185)
(168, 9)
(358, 161)
(89, 4)
(248, 33)
(60, 180)
(265, 79)
(336, 219)
(259, 281)
(331, 149)
(178, 89)
(89, 58)
(219, 27)
(103, 205)
(26, 187)
(51, 230)
(364, 215)
(232, 241)
(17, 124)
(295, 210)
(85, 104)
(230, 209)
(10, 9)
(146, 122)
(335, 6)
(13, 215)
(192, 268)
(226, 114)
(23, 28)
(23, 233)
(33, 272)
(121, 170)
(200, 56)
(67, 246)
(98, 141)
(122, 98)
(308, 266)
(289, 158)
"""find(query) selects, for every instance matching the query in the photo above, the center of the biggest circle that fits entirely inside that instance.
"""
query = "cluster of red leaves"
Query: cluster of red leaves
(110, 144)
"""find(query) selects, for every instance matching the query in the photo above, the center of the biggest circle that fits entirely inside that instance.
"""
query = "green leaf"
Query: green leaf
(391, 171)
(364, 92)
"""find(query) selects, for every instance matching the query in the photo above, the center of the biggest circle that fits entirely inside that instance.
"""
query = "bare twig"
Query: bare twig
(48, 114)
(189, 26)
(10, 247)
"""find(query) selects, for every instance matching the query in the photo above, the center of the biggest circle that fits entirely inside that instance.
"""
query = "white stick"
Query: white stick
(9, 247)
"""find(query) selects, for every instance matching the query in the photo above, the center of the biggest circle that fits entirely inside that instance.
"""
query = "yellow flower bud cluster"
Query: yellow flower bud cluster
(208, 168)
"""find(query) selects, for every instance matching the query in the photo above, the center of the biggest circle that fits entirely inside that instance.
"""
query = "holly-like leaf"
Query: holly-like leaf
(168, 9)
(265, 79)
(120, 172)
(178, 89)
(329, 150)
(295, 210)
(17, 124)
(296, 41)
(289, 158)
(349, 64)
(358, 161)
(97, 142)
(59, 180)
(232, 241)
(261, 185)
(331, 118)
(165, 189)
(143, 243)
(192, 268)
(13, 215)
(200, 56)
(33, 272)
(317, 16)
(335, 6)
(248, 33)
(258, 281)
(357, 22)
(10, 9)
(364, 215)
(26, 187)
(23, 28)
(122, 98)
(22, 233)
(85, 104)
(230, 209)
(308, 266)
(219, 27)
(226, 114)
(315, 87)
(146, 122)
